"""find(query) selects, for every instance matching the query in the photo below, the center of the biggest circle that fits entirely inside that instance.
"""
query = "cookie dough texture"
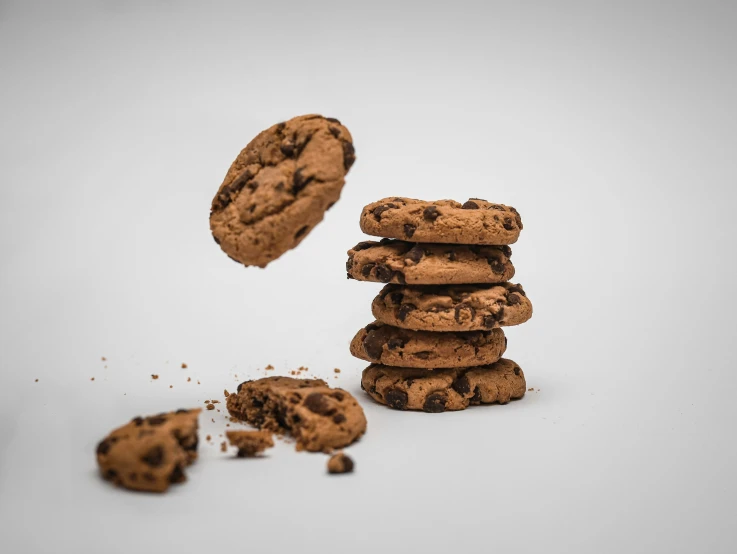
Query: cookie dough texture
(396, 261)
(320, 418)
(148, 454)
(443, 390)
(250, 443)
(279, 187)
(474, 222)
(452, 308)
(394, 346)
(340, 463)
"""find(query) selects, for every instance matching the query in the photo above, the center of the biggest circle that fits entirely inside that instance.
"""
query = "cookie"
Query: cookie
(388, 345)
(340, 463)
(279, 187)
(250, 443)
(452, 308)
(447, 221)
(320, 418)
(443, 390)
(148, 454)
(396, 261)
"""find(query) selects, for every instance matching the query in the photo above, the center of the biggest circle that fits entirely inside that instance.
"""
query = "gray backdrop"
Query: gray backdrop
(611, 127)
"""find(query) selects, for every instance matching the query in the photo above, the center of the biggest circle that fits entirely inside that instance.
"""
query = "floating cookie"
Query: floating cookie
(279, 187)
(319, 418)
(446, 221)
(396, 261)
(452, 308)
(399, 347)
(148, 454)
(441, 390)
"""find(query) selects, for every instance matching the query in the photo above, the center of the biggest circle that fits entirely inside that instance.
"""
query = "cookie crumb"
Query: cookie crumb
(226, 393)
(198, 382)
(215, 401)
(189, 379)
(184, 366)
(210, 407)
(269, 367)
(36, 380)
(171, 386)
(104, 359)
(92, 378)
(223, 446)
(213, 420)
(250, 443)
(340, 463)
(336, 370)
(207, 438)
(154, 376)
(531, 388)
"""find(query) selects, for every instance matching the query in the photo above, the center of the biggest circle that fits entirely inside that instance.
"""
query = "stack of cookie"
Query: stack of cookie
(437, 342)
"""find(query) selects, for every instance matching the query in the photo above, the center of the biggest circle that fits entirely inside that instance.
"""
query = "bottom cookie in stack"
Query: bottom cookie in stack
(440, 390)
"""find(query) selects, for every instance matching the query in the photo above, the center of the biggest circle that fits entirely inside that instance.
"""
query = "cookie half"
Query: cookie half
(396, 261)
(473, 222)
(452, 308)
(149, 454)
(279, 187)
(320, 418)
(393, 346)
(443, 390)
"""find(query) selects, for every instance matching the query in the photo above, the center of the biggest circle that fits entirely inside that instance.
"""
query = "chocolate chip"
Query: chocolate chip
(157, 420)
(497, 207)
(138, 421)
(394, 343)
(111, 474)
(496, 266)
(506, 250)
(366, 269)
(256, 403)
(409, 230)
(301, 232)
(334, 131)
(396, 399)
(287, 148)
(372, 327)
(476, 398)
(349, 155)
(349, 264)
(396, 297)
(424, 355)
(415, 254)
(281, 417)
(154, 457)
(435, 403)
(177, 474)
(430, 213)
(405, 310)
(363, 245)
(513, 299)
(373, 344)
(470, 205)
(295, 418)
(500, 314)
(508, 223)
(489, 321)
(516, 288)
(299, 181)
(516, 370)
(384, 273)
(451, 256)
(464, 307)
(333, 120)
(338, 418)
(408, 382)
(461, 385)
(400, 278)
(317, 403)
(238, 389)
(104, 447)
(381, 209)
(280, 127)
(338, 396)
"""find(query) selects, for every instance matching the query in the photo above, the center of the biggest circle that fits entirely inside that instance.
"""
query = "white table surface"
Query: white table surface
(613, 132)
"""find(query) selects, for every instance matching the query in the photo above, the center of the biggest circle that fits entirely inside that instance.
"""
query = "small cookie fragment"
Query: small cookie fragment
(445, 221)
(320, 418)
(148, 454)
(340, 463)
(250, 443)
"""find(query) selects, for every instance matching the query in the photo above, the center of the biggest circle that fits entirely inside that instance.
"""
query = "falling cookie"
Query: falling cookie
(394, 346)
(148, 454)
(474, 222)
(452, 308)
(250, 443)
(279, 187)
(320, 418)
(396, 261)
(443, 390)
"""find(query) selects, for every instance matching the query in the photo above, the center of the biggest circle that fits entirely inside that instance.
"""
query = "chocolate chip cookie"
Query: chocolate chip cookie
(279, 187)
(150, 453)
(396, 261)
(452, 308)
(319, 418)
(443, 390)
(394, 346)
(250, 443)
(473, 222)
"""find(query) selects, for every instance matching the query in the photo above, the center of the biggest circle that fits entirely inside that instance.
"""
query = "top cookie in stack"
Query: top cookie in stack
(447, 267)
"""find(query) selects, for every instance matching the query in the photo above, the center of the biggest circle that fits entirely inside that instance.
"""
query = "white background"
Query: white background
(612, 130)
